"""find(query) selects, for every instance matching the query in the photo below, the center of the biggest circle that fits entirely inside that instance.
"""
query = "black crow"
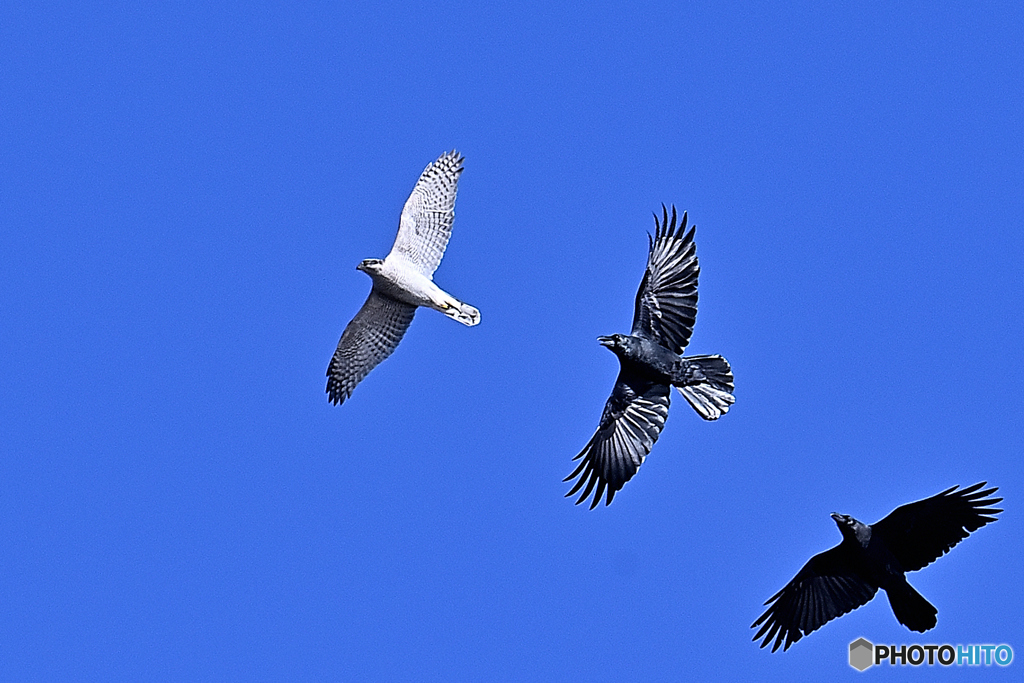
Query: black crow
(650, 363)
(871, 557)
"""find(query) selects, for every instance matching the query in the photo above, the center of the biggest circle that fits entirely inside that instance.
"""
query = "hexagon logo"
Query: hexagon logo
(861, 654)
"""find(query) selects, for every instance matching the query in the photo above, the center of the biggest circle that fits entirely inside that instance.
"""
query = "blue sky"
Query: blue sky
(186, 190)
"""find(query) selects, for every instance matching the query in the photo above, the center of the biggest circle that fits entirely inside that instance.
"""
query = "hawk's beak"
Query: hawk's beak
(607, 342)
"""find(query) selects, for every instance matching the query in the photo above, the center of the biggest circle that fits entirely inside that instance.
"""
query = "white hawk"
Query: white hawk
(403, 281)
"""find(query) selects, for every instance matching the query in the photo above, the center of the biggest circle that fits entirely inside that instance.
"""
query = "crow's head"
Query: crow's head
(617, 343)
(622, 345)
(370, 265)
(852, 529)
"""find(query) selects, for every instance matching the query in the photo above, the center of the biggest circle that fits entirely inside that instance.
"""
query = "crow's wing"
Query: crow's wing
(631, 422)
(666, 303)
(827, 587)
(427, 216)
(919, 533)
(368, 339)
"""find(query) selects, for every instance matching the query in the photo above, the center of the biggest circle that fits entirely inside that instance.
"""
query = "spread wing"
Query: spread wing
(826, 588)
(427, 217)
(666, 303)
(921, 532)
(631, 422)
(370, 338)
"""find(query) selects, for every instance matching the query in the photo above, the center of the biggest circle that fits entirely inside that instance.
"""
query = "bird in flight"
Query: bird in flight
(650, 363)
(842, 579)
(403, 281)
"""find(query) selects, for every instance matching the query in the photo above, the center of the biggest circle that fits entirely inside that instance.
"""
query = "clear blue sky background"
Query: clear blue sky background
(185, 192)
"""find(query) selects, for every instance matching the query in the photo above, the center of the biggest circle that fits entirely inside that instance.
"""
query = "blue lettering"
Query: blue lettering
(963, 654)
(1003, 655)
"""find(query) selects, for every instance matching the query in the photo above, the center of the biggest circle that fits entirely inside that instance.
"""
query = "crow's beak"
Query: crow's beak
(607, 342)
(837, 517)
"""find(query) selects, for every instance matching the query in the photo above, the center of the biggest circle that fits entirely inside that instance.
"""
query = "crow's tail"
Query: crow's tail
(711, 395)
(910, 608)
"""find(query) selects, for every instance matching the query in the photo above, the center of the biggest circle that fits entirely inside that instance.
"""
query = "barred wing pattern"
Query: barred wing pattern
(631, 422)
(666, 303)
(921, 532)
(826, 588)
(427, 217)
(370, 338)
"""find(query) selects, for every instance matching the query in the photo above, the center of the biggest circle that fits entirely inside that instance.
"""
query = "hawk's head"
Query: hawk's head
(370, 265)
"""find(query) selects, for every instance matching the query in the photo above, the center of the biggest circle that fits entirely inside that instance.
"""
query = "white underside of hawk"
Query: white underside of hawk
(403, 281)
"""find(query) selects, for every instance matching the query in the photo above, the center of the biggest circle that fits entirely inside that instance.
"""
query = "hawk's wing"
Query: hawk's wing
(666, 303)
(427, 217)
(827, 587)
(631, 422)
(921, 532)
(370, 338)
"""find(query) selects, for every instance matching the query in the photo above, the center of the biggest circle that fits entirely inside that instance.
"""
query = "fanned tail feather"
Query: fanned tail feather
(712, 397)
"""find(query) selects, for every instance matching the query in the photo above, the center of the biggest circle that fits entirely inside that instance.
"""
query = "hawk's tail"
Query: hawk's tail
(711, 397)
(911, 608)
(464, 313)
